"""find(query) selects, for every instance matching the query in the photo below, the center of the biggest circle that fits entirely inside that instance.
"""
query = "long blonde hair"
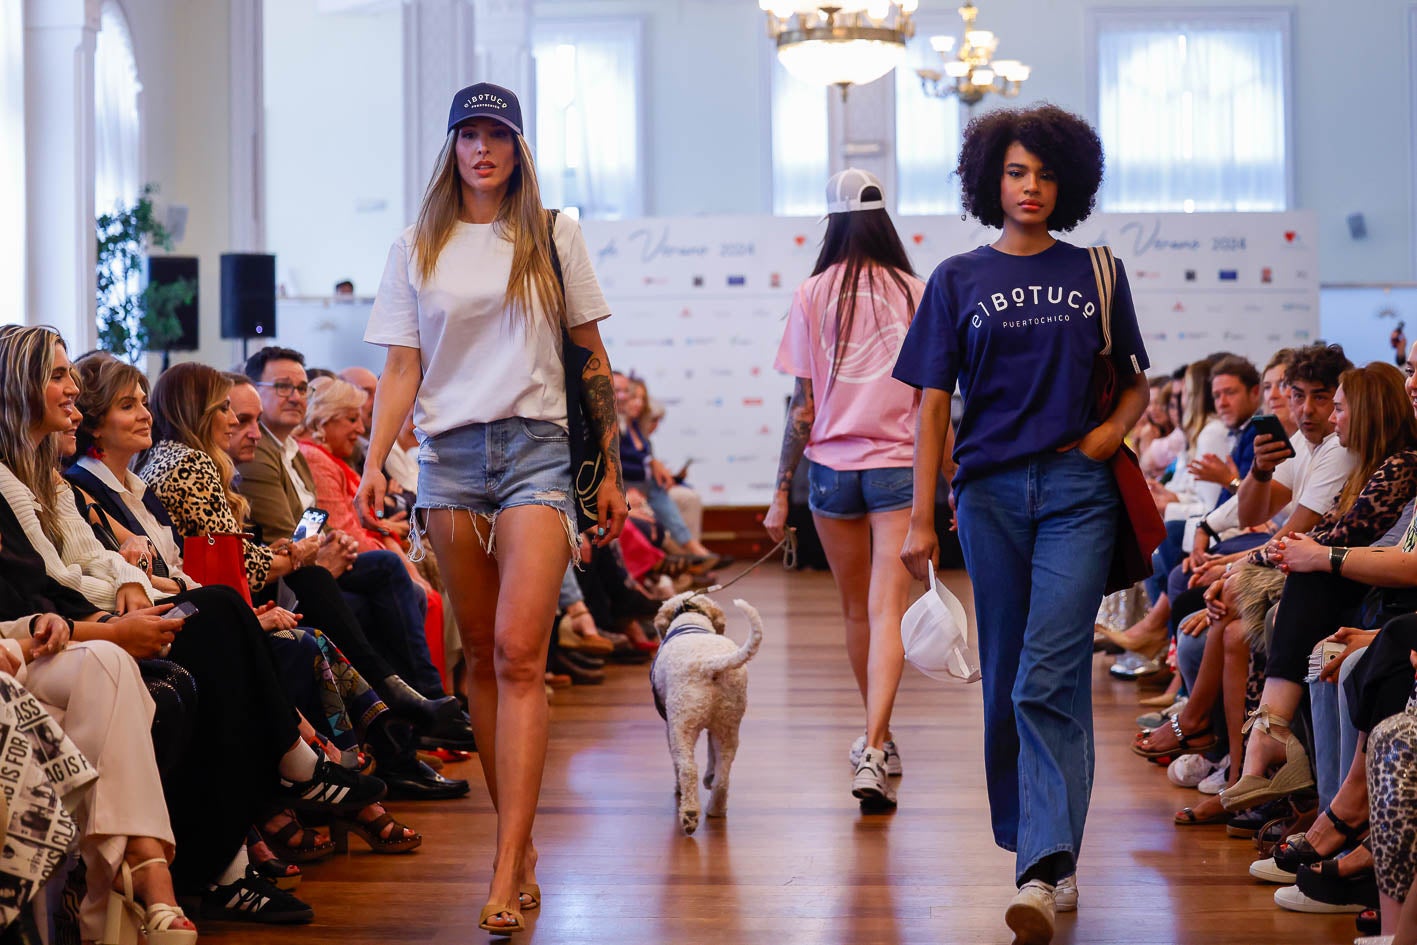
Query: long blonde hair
(26, 361)
(521, 219)
(184, 404)
(1380, 423)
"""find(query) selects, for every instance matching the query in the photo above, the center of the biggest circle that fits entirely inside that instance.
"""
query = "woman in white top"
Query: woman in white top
(471, 310)
(856, 424)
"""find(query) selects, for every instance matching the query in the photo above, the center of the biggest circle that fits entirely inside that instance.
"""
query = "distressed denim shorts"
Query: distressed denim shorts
(486, 468)
(852, 493)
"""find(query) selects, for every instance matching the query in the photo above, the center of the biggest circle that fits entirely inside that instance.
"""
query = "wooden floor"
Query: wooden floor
(794, 861)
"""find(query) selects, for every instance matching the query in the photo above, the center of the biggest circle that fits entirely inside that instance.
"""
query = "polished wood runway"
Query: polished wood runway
(795, 861)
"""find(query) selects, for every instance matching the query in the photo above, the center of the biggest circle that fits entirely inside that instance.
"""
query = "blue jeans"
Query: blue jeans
(1335, 737)
(1037, 540)
(391, 609)
(665, 511)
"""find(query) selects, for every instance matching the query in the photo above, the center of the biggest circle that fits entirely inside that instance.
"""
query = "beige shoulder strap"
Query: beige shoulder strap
(1104, 270)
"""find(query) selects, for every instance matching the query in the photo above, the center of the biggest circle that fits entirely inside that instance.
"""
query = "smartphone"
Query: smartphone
(1269, 423)
(181, 611)
(311, 523)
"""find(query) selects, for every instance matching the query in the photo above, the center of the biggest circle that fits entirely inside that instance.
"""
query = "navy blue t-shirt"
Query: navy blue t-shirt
(1019, 334)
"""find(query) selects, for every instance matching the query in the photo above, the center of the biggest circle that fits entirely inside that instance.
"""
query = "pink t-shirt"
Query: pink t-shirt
(866, 420)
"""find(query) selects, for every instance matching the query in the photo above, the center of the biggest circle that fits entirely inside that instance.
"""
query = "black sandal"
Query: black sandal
(1292, 854)
(1186, 744)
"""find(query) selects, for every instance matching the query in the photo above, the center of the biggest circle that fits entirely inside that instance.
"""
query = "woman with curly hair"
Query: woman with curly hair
(1015, 323)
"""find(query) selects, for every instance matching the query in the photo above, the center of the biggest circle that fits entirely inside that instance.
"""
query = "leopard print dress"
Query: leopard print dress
(1392, 792)
(189, 485)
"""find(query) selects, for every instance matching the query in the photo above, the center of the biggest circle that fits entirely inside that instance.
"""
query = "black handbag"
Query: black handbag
(587, 458)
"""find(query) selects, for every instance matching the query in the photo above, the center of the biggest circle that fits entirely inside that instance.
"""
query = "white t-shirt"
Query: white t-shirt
(480, 362)
(1316, 483)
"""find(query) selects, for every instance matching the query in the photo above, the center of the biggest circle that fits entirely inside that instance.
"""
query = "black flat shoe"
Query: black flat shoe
(416, 781)
(254, 899)
(580, 676)
(334, 789)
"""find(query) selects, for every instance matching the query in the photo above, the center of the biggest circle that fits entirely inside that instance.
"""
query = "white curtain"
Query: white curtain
(588, 119)
(1192, 117)
(927, 138)
(116, 90)
(799, 145)
(12, 164)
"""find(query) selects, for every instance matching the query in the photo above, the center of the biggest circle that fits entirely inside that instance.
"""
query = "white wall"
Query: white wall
(334, 144)
(334, 133)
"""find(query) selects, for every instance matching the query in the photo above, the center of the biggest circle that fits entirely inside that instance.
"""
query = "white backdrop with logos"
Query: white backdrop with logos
(699, 306)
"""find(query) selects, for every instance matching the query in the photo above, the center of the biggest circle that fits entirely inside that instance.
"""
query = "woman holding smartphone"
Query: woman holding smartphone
(1015, 323)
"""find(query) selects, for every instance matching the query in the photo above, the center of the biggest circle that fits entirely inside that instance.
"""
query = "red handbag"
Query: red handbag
(1140, 528)
(218, 558)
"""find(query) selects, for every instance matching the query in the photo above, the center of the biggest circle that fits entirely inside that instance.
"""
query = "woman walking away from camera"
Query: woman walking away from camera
(1016, 324)
(856, 424)
(471, 308)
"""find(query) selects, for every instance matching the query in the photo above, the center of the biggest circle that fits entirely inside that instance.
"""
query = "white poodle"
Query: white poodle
(700, 683)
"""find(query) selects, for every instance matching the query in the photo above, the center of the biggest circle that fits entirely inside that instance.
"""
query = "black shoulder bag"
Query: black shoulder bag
(587, 458)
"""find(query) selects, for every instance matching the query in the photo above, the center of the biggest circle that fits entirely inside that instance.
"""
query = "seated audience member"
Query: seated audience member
(279, 486)
(646, 474)
(1159, 458)
(367, 381)
(1374, 419)
(116, 427)
(246, 751)
(1302, 487)
(344, 289)
(1155, 424)
(188, 468)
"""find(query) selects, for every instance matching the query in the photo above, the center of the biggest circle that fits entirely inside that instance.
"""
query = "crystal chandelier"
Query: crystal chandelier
(840, 42)
(972, 72)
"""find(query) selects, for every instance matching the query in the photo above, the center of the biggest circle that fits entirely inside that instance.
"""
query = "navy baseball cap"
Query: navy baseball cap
(485, 100)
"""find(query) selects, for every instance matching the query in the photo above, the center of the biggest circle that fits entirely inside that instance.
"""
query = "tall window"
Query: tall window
(1192, 110)
(12, 165)
(116, 90)
(927, 139)
(588, 121)
(799, 145)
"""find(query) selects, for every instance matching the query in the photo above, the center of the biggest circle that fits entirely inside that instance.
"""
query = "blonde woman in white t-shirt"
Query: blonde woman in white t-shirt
(856, 423)
(470, 310)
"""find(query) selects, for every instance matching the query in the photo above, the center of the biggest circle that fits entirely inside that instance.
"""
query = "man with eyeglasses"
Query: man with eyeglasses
(280, 487)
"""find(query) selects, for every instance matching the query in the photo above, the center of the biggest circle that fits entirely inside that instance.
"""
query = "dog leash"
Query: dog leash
(789, 561)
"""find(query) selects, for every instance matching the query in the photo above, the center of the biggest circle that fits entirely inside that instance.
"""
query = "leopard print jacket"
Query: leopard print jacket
(188, 483)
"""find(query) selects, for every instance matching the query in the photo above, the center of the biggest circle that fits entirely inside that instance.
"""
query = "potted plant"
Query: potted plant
(134, 320)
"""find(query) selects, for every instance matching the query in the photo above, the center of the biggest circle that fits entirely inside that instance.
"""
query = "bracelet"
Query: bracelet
(1204, 526)
(181, 585)
(1336, 557)
(1234, 484)
(106, 617)
(1261, 476)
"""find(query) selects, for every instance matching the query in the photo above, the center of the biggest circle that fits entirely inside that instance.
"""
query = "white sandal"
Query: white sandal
(127, 920)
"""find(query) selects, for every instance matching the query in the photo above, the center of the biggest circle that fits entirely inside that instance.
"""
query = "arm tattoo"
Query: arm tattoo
(600, 404)
(800, 414)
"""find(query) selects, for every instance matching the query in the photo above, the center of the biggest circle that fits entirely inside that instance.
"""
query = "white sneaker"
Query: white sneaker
(1065, 894)
(1031, 915)
(1191, 770)
(1218, 780)
(1269, 871)
(893, 767)
(870, 785)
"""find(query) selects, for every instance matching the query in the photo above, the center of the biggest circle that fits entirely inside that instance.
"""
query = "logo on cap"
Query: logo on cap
(484, 99)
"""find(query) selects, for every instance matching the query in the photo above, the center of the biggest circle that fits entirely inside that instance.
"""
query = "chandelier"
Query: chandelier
(973, 72)
(840, 42)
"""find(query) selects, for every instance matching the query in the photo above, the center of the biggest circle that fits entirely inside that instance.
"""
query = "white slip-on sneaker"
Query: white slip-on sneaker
(1189, 770)
(1293, 899)
(1268, 871)
(870, 785)
(1218, 780)
(1065, 894)
(1031, 915)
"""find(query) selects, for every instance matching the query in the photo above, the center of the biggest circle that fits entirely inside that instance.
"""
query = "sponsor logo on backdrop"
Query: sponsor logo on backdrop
(754, 371)
(1294, 239)
(1148, 274)
(919, 239)
(765, 486)
(721, 372)
(656, 280)
(775, 280)
(698, 282)
(737, 280)
(686, 312)
(1191, 335)
(1297, 307)
(1229, 275)
(1254, 308)
(741, 341)
(1146, 237)
(650, 343)
(800, 240)
(652, 248)
(752, 401)
(1178, 307)
(698, 340)
(1301, 333)
(1190, 275)
(741, 458)
(1233, 336)
(1266, 275)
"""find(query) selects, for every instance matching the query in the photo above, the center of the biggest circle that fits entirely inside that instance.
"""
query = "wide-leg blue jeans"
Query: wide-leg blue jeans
(1037, 540)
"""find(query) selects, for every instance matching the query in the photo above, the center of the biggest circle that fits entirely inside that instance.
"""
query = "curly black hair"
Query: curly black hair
(1065, 143)
(1318, 364)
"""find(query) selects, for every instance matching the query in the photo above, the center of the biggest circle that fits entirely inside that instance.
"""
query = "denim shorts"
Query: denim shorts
(486, 468)
(853, 493)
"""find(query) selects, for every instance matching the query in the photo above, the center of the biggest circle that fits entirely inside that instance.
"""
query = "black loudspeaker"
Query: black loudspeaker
(248, 295)
(1357, 226)
(167, 270)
